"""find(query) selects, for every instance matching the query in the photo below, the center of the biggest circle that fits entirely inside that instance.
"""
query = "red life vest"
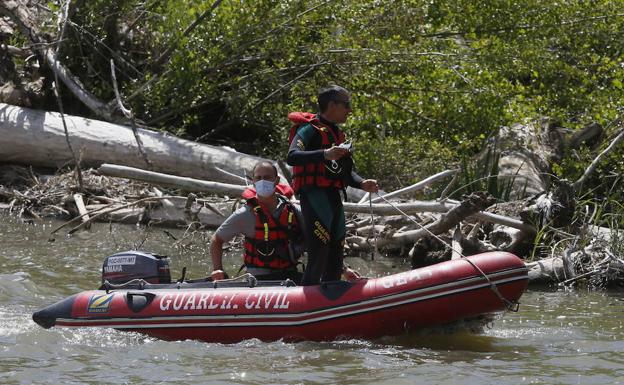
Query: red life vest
(281, 189)
(315, 174)
(270, 248)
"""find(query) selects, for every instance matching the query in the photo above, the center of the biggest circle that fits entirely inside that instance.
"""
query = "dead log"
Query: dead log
(408, 207)
(35, 137)
(232, 190)
(509, 239)
(191, 215)
(188, 184)
(82, 210)
(554, 207)
(433, 207)
(457, 249)
(589, 135)
(430, 248)
(474, 203)
(393, 240)
(546, 271)
(526, 151)
(163, 217)
(605, 234)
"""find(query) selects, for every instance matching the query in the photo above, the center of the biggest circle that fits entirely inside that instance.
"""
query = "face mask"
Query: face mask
(264, 188)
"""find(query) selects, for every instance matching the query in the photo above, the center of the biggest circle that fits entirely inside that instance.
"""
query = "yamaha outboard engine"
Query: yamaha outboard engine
(128, 265)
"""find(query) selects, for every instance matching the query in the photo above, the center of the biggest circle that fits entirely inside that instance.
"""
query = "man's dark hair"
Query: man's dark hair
(263, 163)
(329, 94)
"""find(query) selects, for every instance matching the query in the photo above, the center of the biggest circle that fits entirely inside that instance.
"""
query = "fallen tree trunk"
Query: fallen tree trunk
(35, 137)
(188, 184)
(528, 150)
(471, 205)
(393, 240)
(234, 190)
(166, 217)
(432, 207)
(546, 271)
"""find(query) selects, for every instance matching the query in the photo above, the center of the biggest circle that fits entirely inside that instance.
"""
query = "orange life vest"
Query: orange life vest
(270, 246)
(325, 173)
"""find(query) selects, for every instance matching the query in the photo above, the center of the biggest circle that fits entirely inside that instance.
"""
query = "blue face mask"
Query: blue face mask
(264, 188)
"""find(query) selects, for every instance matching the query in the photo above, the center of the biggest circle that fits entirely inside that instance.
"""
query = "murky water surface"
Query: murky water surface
(555, 338)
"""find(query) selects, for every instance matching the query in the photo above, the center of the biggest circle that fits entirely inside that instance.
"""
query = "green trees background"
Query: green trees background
(431, 80)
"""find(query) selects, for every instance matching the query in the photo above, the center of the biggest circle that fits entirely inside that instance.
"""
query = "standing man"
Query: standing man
(270, 224)
(322, 167)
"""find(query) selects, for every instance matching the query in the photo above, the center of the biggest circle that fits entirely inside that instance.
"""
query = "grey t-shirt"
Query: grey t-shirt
(243, 221)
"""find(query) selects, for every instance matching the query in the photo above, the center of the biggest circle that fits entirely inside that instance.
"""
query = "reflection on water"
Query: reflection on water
(555, 338)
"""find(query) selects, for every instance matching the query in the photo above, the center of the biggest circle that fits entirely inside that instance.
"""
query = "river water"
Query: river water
(555, 338)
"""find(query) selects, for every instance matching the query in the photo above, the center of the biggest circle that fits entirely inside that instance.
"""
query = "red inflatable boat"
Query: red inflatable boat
(233, 311)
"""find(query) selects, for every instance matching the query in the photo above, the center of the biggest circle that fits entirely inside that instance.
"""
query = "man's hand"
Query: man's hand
(335, 153)
(370, 185)
(217, 275)
(350, 274)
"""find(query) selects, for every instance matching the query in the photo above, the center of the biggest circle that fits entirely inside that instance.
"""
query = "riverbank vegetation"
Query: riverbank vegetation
(435, 85)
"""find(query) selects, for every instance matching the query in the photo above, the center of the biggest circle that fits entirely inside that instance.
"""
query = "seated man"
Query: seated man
(271, 225)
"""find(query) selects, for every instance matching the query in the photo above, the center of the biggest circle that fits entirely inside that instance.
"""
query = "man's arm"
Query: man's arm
(297, 154)
(355, 180)
(368, 185)
(242, 221)
(216, 254)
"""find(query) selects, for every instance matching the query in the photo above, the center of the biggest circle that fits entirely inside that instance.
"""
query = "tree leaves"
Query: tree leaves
(443, 72)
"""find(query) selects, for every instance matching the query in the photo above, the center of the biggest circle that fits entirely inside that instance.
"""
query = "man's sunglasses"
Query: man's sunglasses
(346, 103)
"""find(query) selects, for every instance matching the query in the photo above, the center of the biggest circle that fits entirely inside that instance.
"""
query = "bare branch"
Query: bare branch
(310, 69)
(592, 167)
(59, 100)
(417, 186)
(128, 114)
(407, 109)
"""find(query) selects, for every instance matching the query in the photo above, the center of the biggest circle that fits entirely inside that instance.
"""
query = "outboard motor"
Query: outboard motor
(128, 265)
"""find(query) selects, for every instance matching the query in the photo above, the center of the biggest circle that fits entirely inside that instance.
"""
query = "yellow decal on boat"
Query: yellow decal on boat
(100, 303)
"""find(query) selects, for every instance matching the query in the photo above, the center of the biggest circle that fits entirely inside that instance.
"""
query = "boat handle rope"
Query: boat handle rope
(111, 286)
(248, 277)
(509, 305)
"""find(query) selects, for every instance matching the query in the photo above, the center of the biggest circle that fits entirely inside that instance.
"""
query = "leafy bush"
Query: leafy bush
(437, 76)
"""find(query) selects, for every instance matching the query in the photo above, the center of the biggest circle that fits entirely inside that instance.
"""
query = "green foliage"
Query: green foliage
(401, 161)
(430, 79)
(482, 175)
(601, 206)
